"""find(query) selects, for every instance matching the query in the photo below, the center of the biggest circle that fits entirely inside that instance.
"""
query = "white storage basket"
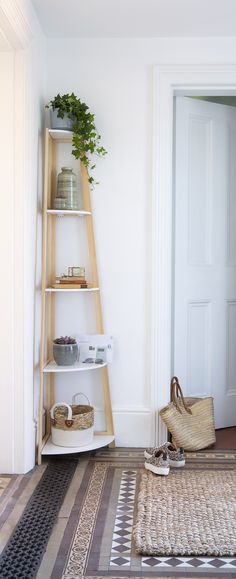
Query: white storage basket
(73, 425)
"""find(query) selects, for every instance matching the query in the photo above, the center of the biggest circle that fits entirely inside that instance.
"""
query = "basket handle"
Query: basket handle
(79, 394)
(176, 393)
(69, 420)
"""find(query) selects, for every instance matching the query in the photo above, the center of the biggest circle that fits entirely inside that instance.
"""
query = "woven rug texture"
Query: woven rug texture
(187, 513)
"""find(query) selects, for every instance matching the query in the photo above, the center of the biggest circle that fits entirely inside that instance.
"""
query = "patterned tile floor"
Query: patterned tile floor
(93, 534)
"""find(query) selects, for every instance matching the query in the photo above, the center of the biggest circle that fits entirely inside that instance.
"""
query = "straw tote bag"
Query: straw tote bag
(189, 420)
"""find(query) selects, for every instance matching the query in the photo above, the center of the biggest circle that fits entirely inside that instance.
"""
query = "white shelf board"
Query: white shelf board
(99, 440)
(77, 367)
(60, 135)
(85, 289)
(68, 212)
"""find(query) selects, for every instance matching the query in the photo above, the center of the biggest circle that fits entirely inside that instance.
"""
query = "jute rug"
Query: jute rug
(187, 513)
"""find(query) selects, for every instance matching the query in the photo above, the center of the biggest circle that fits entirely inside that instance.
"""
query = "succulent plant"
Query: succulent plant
(65, 340)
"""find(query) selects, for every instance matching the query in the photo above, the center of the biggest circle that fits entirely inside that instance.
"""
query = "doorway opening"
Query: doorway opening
(171, 81)
(204, 253)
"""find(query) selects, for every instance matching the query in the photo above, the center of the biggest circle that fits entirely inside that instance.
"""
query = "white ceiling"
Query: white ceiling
(136, 18)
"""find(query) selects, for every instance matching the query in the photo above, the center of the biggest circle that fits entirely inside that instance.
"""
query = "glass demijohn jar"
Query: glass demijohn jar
(67, 188)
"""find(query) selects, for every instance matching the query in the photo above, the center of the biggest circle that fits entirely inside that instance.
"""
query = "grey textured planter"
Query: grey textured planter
(65, 354)
(58, 123)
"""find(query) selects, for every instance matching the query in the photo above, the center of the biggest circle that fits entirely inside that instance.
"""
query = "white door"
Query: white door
(204, 305)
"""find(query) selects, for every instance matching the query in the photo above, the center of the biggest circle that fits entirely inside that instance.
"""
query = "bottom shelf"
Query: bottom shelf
(99, 440)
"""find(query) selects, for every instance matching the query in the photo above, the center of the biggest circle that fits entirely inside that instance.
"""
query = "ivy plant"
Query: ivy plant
(85, 139)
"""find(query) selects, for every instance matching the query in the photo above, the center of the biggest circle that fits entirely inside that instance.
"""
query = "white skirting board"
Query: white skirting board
(134, 429)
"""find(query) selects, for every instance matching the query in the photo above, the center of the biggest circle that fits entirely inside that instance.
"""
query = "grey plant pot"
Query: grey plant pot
(65, 354)
(58, 123)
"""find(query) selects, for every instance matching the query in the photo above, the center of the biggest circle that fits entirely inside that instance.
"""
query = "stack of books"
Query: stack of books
(71, 282)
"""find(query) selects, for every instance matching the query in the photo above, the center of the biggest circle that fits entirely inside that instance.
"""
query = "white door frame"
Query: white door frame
(170, 80)
(16, 23)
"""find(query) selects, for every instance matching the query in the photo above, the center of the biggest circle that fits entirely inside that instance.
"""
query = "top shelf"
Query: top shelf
(60, 135)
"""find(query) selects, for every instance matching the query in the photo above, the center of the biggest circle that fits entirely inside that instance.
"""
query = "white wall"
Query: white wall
(22, 88)
(33, 230)
(6, 257)
(114, 77)
(38, 72)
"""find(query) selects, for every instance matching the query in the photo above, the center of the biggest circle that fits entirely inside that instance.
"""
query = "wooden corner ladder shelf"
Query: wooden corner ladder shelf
(48, 368)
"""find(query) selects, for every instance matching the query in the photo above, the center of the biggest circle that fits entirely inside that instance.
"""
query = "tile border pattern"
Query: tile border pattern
(79, 549)
(122, 533)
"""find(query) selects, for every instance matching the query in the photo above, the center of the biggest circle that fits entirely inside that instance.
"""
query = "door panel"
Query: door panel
(204, 353)
(198, 339)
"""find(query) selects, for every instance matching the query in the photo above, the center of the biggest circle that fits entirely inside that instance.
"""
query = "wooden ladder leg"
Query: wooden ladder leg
(107, 404)
(98, 307)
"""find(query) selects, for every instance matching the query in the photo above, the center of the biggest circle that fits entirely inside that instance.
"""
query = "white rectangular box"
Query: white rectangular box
(95, 348)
